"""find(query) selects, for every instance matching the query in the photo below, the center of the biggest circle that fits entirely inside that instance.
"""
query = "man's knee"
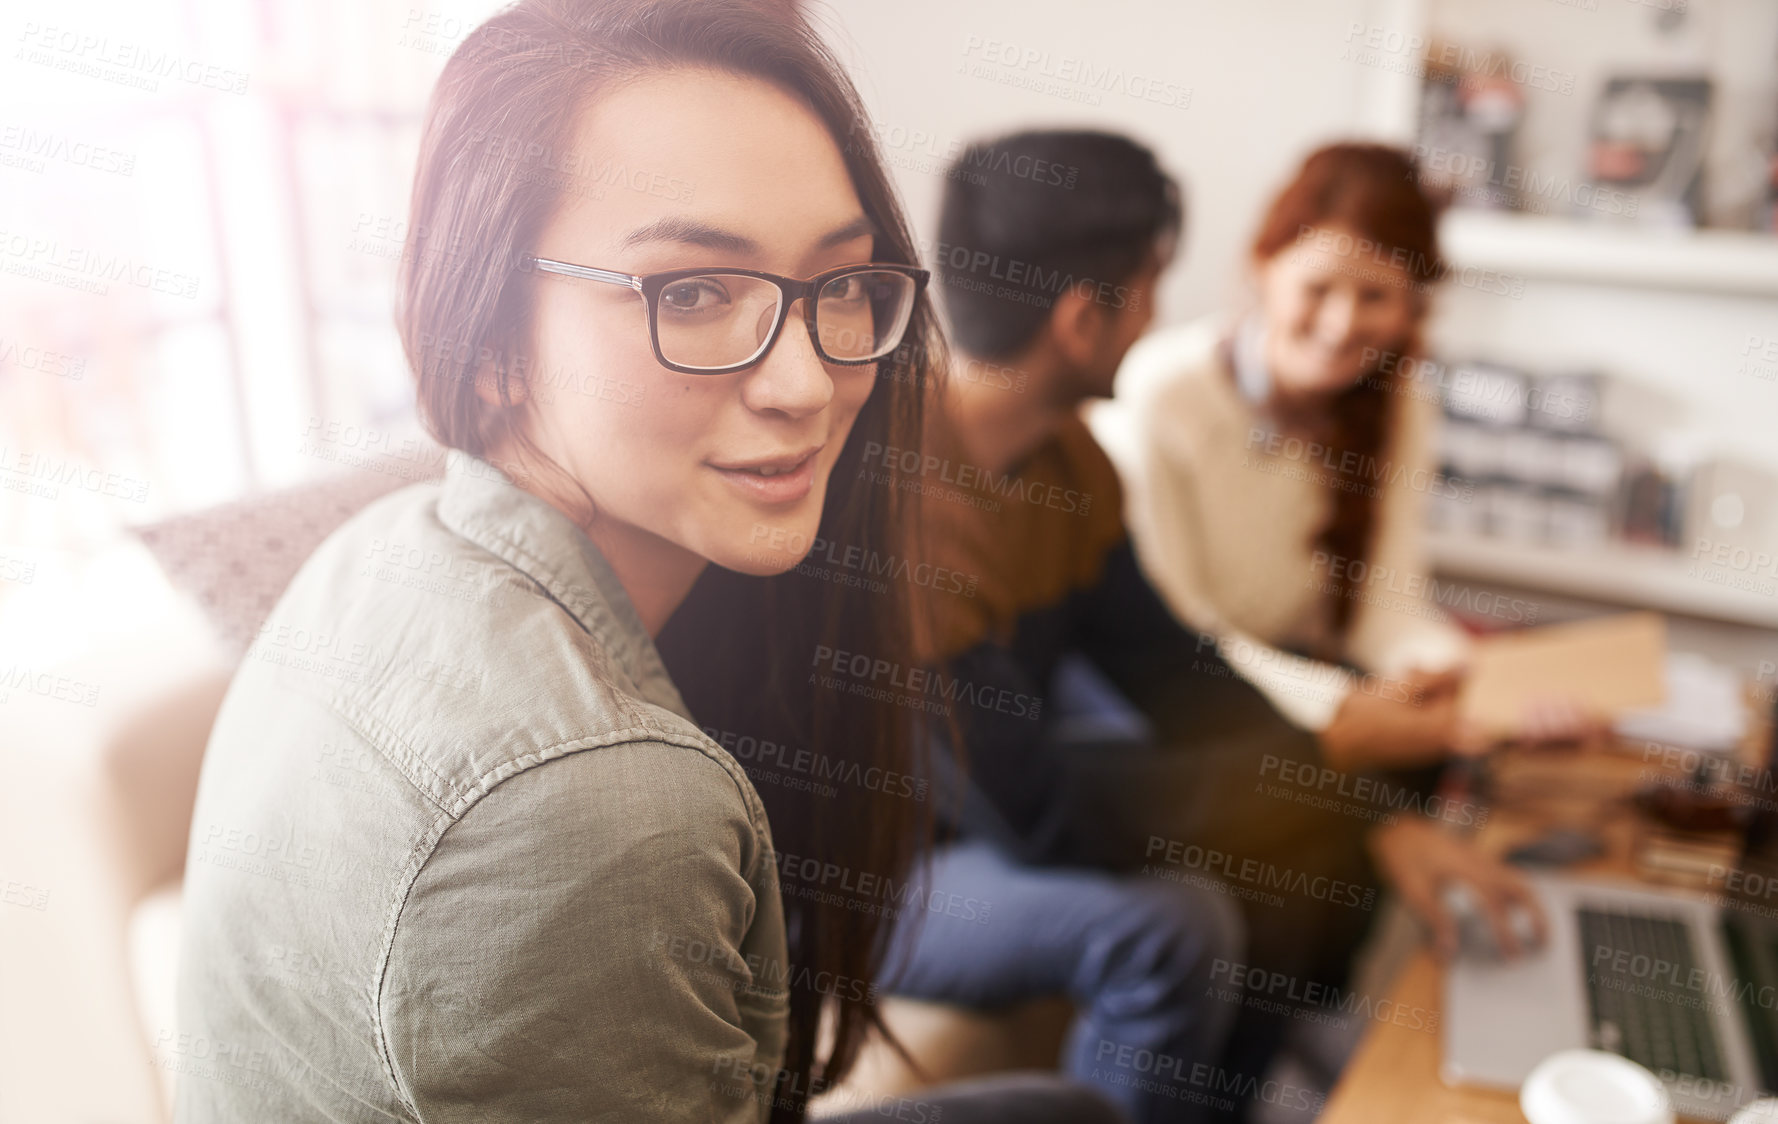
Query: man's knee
(1197, 927)
(1213, 920)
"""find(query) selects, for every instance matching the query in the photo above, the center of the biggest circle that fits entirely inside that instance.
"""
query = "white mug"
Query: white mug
(1593, 1087)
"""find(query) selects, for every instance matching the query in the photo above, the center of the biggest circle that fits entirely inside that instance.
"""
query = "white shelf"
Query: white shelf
(1737, 262)
(1641, 577)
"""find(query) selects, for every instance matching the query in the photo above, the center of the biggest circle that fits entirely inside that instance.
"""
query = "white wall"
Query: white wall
(1267, 80)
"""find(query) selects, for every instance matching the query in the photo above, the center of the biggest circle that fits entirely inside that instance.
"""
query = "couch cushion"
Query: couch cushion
(235, 560)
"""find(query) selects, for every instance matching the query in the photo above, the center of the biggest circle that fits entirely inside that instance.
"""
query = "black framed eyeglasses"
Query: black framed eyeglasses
(714, 321)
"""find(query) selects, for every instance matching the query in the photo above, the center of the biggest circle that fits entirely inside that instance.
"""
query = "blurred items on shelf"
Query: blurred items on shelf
(1469, 111)
(1538, 468)
(1652, 131)
(1533, 462)
(1648, 139)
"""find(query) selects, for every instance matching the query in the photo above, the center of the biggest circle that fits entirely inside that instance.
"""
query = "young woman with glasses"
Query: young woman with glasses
(461, 852)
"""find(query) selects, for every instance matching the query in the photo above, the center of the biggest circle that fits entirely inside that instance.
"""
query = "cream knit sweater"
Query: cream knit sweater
(1224, 511)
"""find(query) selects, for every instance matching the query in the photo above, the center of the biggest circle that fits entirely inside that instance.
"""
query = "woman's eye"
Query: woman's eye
(696, 295)
(846, 289)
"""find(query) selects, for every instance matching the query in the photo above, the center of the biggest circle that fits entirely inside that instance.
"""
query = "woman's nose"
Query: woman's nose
(789, 379)
(1338, 315)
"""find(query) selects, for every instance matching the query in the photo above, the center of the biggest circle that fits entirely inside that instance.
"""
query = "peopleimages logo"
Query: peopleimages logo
(962, 267)
(1435, 381)
(819, 552)
(1415, 594)
(23, 895)
(778, 762)
(920, 687)
(585, 173)
(869, 892)
(1070, 77)
(1369, 44)
(44, 475)
(132, 64)
(79, 267)
(756, 974)
(1759, 357)
(915, 465)
(1731, 564)
(32, 358)
(45, 685)
(1257, 873)
(36, 146)
(1490, 177)
(1322, 780)
(1381, 263)
(1742, 781)
(1710, 990)
(1353, 470)
(1185, 1079)
(1281, 993)
(962, 160)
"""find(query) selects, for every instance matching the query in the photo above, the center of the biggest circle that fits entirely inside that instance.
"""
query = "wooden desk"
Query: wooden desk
(1393, 1076)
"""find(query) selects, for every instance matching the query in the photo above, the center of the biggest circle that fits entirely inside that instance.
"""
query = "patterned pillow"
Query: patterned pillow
(236, 559)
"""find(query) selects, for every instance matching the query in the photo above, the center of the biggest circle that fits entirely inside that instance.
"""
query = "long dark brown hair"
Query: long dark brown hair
(741, 649)
(1371, 191)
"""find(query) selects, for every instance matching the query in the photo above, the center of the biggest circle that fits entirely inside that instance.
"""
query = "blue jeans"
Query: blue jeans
(1134, 954)
(1008, 1098)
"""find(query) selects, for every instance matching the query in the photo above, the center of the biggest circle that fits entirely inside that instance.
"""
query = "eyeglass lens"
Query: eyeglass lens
(716, 320)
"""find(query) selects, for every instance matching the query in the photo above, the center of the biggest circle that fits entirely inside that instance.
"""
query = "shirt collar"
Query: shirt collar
(480, 503)
(1252, 378)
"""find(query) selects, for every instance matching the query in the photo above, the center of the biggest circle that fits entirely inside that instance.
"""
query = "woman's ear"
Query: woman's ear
(487, 386)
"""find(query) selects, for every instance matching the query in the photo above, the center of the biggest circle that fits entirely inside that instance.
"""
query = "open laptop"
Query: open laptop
(1686, 984)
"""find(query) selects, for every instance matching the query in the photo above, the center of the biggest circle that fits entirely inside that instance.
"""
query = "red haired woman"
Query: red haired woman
(1276, 467)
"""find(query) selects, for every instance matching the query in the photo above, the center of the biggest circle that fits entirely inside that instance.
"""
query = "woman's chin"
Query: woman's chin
(1321, 380)
(753, 565)
(769, 554)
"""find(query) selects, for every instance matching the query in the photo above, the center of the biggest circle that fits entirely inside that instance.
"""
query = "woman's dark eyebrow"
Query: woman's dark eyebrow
(677, 228)
(857, 228)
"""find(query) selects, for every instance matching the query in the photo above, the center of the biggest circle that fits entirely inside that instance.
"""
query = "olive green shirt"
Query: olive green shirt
(460, 854)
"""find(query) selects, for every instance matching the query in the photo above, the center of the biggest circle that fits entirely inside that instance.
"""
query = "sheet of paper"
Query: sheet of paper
(1609, 664)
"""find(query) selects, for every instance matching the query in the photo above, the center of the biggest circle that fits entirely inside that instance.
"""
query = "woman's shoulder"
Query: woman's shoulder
(458, 661)
(1183, 358)
(1174, 396)
(665, 792)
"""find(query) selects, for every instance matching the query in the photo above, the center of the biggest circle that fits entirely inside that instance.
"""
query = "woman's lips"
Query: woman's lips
(786, 486)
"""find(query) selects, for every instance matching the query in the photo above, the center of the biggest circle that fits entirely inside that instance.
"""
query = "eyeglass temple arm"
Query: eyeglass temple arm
(628, 280)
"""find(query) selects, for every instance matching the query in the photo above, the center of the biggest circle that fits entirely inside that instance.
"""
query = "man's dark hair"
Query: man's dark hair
(1032, 214)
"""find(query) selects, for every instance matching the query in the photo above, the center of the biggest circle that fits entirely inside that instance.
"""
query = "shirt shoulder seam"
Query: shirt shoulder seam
(426, 845)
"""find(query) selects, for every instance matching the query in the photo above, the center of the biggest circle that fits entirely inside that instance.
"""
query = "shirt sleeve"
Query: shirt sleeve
(597, 938)
(1309, 692)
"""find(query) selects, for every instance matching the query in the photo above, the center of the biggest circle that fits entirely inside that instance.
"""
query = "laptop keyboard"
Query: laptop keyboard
(1637, 970)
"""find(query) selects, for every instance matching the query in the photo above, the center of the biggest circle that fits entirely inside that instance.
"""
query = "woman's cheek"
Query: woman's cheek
(861, 395)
